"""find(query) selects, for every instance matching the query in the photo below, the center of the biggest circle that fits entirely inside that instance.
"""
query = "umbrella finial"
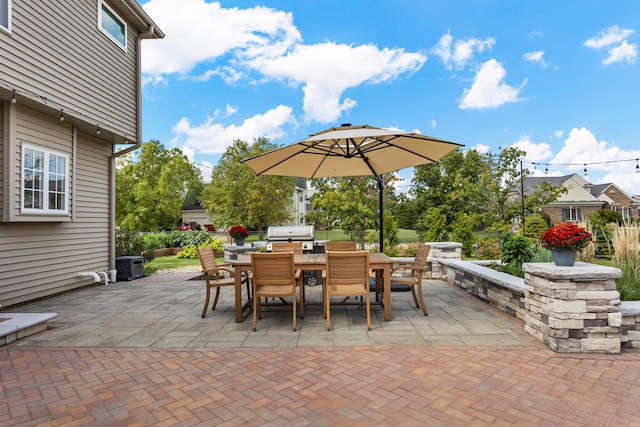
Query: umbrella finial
(345, 125)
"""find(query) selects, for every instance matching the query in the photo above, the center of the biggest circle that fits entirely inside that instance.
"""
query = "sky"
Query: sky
(558, 79)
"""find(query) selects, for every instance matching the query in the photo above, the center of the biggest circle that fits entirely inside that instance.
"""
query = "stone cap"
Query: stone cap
(580, 271)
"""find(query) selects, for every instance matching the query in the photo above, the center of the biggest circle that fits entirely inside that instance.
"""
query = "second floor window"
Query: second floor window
(5, 14)
(45, 178)
(112, 24)
(571, 215)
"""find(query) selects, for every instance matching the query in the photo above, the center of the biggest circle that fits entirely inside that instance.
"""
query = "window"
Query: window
(112, 24)
(5, 14)
(571, 215)
(45, 178)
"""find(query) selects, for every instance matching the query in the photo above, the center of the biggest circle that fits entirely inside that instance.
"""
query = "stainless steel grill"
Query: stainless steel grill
(294, 233)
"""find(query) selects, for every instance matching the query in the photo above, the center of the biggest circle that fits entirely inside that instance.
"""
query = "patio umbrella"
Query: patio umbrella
(352, 151)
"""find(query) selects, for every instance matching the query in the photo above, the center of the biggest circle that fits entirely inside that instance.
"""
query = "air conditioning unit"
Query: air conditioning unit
(129, 267)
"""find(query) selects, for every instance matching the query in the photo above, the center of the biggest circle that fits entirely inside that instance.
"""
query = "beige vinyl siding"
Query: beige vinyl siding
(39, 130)
(38, 259)
(57, 51)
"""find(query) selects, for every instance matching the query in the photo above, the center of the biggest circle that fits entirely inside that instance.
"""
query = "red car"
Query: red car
(188, 226)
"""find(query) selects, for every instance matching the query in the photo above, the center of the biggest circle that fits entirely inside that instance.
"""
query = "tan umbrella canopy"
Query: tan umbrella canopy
(352, 151)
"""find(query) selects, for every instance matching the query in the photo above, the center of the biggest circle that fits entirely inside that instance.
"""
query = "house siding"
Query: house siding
(43, 258)
(2, 141)
(71, 62)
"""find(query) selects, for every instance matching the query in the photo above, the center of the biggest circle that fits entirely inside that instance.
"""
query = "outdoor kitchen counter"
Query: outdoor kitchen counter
(380, 263)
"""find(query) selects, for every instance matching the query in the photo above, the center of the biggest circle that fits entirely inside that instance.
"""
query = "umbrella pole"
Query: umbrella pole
(380, 210)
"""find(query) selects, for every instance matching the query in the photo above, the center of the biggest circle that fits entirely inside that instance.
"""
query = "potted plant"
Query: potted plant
(239, 233)
(564, 240)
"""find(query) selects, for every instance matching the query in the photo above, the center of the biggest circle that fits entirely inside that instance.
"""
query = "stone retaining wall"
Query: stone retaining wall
(576, 309)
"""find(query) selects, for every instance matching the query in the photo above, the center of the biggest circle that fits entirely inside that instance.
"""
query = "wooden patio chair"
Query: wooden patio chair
(340, 245)
(215, 276)
(347, 276)
(273, 276)
(296, 248)
(414, 272)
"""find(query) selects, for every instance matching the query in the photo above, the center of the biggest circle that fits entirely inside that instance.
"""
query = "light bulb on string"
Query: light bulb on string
(637, 166)
(585, 169)
(13, 97)
(61, 115)
(546, 169)
(98, 129)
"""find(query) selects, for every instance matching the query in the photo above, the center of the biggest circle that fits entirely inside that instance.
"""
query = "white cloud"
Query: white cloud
(536, 56)
(481, 148)
(265, 41)
(624, 53)
(614, 39)
(433, 123)
(214, 138)
(558, 133)
(605, 163)
(536, 153)
(326, 70)
(463, 50)
(489, 89)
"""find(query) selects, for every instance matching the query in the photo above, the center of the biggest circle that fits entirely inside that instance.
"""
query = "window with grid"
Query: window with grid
(45, 178)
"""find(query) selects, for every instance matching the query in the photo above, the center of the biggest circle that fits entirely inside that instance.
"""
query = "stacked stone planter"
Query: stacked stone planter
(573, 309)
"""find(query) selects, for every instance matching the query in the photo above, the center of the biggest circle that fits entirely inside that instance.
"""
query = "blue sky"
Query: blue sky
(559, 79)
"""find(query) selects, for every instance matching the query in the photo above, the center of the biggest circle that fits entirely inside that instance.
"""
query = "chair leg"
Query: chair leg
(415, 299)
(368, 298)
(256, 305)
(295, 318)
(206, 301)
(301, 283)
(424, 306)
(215, 299)
(327, 310)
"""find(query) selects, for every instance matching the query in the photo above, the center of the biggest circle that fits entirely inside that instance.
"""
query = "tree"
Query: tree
(352, 202)
(151, 190)
(236, 195)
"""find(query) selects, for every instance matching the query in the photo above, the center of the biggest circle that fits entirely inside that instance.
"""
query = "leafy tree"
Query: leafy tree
(352, 202)
(151, 188)
(236, 195)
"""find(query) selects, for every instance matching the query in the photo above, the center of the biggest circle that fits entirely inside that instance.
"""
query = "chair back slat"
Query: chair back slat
(208, 260)
(275, 268)
(338, 245)
(347, 267)
(421, 255)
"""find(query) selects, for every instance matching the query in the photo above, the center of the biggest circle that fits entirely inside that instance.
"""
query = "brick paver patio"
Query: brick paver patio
(138, 353)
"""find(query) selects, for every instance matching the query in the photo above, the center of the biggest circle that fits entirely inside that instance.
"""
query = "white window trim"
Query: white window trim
(45, 210)
(8, 27)
(101, 3)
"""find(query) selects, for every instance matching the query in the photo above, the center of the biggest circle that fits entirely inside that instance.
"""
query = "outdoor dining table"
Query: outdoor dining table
(378, 262)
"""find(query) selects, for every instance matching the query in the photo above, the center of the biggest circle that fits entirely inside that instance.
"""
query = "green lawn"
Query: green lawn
(169, 263)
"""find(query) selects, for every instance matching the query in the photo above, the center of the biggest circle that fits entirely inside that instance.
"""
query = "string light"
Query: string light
(637, 167)
(98, 129)
(585, 169)
(546, 169)
(13, 97)
(61, 115)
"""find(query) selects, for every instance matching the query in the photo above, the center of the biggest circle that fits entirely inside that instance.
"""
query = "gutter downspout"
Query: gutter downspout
(137, 144)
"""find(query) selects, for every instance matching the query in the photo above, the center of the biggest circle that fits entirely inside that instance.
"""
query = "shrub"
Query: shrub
(130, 243)
(488, 248)
(189, 251)
(534, 226)
(514, 251)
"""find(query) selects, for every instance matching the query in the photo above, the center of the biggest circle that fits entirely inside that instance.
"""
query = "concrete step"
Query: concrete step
(15, 326)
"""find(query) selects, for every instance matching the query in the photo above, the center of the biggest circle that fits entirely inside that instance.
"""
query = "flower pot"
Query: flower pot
(564, 257)
(239, 241)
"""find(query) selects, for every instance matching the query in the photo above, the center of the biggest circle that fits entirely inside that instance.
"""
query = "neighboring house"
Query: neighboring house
(195, 212)
(69, 93)
(583, 198)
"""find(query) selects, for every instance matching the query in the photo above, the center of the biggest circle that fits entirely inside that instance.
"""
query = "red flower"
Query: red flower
(566, 236)
(238, 232)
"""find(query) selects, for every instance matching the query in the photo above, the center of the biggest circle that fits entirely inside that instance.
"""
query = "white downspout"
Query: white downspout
(95, 276)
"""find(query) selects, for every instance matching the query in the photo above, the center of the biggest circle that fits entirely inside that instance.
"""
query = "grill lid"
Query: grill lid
(293, 233)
